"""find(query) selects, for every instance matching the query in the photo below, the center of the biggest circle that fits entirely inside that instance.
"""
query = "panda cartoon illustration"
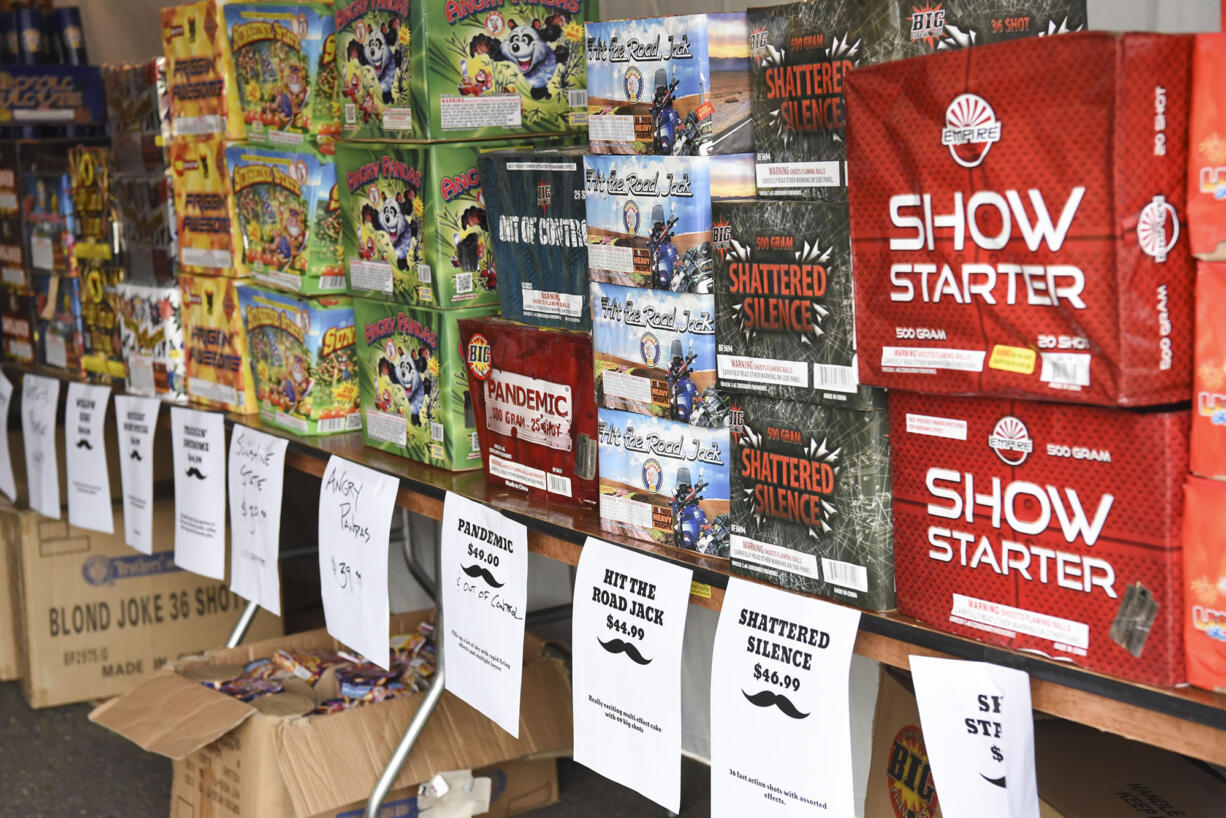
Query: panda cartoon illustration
(410, 373)
(526, 46)
(379, 51)
(390, 218)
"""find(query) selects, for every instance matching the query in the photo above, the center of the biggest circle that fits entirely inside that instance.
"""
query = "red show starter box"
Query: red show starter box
(1043, 527)
(535, 401)
(1015, 220)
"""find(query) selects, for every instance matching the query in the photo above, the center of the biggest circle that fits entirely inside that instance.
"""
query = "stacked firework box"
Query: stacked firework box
(416, 236)
(205, 115)
(1024, 291)
(147, 302)
(1204, 547)
(668, 126)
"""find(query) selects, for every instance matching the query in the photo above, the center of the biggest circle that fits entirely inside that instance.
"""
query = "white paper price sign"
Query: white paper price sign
(257, 477)
(136, 423)
(39, 398)
(199, 443)
(979, 730)
(628, 625)
(8, 484)
(89, 480)
(355, 518)
(485, 592)
(780, 704)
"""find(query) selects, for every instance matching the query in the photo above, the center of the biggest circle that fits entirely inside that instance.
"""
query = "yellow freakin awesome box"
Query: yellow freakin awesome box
(215, 344)
(200, 73)
(210, 242)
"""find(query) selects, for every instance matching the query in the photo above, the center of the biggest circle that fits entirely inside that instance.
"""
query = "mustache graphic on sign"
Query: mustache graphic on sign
(135, 455)
(84, 444)
(475, 571)
(768, 697)
(195, 472)
(999, 782)
(618, 646)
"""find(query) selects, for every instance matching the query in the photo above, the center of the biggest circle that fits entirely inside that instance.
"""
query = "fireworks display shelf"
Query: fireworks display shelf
(1184, 720)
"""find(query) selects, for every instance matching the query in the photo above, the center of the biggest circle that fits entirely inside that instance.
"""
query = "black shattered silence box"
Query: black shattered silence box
(810, 495)
(784, 313)
(534, 202)
(800, 54)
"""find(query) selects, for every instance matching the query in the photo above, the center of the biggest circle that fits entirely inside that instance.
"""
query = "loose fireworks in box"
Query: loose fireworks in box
(1080, 289)
(785, 311)
(811, 499)
(535, 407)
(1043, 527)
(285, 67)
(289, 218)
(303, 359)
(538, 233)
(151, 331)
(649, 217)
(414, 386)
(466, 71)
(664, 482)
(218, 365)
(674, 86)
(655, 354)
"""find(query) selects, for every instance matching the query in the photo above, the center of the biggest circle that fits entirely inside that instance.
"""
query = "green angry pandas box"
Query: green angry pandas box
(784, 314)
(811, 506)
(461, 69)
(413, 383)
(414, 226)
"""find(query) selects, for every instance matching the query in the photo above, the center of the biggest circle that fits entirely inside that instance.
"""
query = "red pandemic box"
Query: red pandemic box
(1015, 219)
(1207, 149)
(1207, 452)
(1204, 583)
(1043, 527)
(535, 403)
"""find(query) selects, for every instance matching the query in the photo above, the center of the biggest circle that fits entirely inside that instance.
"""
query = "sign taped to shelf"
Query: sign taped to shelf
(135, 423)
(628, 624)
(8, 484)
(199, 443)
(256, 478)
(780, 704)
(979, 730)
(89, 479)
(39, 398)
(355, 518)
(485, 595)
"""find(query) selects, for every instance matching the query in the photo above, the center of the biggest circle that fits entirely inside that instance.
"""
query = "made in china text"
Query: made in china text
(1020, 508)
(988, 219)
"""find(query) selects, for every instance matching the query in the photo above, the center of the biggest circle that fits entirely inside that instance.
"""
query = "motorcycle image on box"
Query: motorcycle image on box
(660, 245)
(682, 392)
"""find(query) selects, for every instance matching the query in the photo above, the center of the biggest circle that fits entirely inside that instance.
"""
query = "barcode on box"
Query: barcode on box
(846, 574)
(464, 283)
(353, 421)
(331, 282)
(835, 378)
(351, 113)
(1066, 369)
(577, 97)
(436, 432)
(424, 276)
(556, 484)
(327, 425)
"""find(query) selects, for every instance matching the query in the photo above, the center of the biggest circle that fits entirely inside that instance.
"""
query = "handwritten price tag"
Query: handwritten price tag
(8, 484)
(628, 625)
(781, 704)
(979, 731)
(485, 592)
(89, 480)
(136, 423)
(257, 477)
(199, 443)
(39, 398)
(355, 518)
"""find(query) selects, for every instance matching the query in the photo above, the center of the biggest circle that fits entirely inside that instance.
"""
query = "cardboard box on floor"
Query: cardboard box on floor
(8, 632)
(253, 764)
(93, 616)
(163, 465)
(1082, 772)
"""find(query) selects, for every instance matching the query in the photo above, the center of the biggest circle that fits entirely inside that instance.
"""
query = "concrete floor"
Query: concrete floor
(54, 762)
